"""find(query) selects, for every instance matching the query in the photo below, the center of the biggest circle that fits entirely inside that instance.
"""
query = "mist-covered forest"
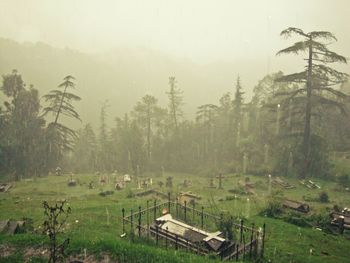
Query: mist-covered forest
(174, 131)
(262, 134)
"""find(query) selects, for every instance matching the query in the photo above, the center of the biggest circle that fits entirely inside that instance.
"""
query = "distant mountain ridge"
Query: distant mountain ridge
(121, 76)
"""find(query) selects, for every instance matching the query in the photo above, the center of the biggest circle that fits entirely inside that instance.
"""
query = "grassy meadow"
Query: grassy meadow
(95, 221)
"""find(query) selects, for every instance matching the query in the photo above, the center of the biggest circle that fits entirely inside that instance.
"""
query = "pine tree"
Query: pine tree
(60, 137)
(317, 80)
(175, 102)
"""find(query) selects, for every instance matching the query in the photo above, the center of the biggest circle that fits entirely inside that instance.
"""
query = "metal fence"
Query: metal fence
(249, 243)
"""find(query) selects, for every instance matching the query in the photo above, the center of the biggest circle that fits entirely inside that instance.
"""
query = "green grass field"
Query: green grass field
(95, 221)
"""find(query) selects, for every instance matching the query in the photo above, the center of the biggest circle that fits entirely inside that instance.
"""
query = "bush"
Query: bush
(343, 180)
(296, 219)
(323, 197)
(273, 209)
(226, 226)
(130, 194)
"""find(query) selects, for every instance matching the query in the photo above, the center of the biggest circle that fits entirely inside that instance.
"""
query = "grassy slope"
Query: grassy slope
(88, 226)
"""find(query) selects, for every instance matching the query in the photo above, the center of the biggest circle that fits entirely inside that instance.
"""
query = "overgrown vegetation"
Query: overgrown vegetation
(56, 216)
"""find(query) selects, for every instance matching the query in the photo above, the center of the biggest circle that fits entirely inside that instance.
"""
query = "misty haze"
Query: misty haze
(174, 131)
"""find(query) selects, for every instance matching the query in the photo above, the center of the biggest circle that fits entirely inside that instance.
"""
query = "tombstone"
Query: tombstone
(150, 181)
(103, 179)
(144, 183)
(72, 182)
(119, 186)
(220, 180)
(169, 182)
(211, 183)
(127, 178)
(187, 183)
(58, 171)
(139, 185)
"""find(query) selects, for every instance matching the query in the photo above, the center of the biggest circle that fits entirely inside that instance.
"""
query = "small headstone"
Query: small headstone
(58, 171)
(127, 178)
(169, 182)
(119, 186)
(72, 183)
(211, 183)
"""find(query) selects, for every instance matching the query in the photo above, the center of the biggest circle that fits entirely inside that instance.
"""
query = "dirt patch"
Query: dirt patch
(6, 251)
(30, 252)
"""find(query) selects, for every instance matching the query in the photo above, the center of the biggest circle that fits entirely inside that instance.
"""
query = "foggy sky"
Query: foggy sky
(203, 31)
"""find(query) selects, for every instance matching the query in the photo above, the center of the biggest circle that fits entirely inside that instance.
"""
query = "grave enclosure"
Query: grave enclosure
(249, 241)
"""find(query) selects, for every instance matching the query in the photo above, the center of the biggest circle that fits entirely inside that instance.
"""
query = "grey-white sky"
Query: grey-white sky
(199, 29)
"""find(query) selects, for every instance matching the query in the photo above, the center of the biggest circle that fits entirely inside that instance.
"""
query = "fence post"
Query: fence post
(177, 208)
(263, 241)
(147, 215)
(202, 217)
(155, 210)
(193, 208)
(123, 215)
(131, 224)
(169, 202)
(241, 232)
(243, 249)
(256, 244)
(166, 238)
(176, 240)
(139, 221)
(251, 241)
(237, 246)
(157, 234)
(185, 210)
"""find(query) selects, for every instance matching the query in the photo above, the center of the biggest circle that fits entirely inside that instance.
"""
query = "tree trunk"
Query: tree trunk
(149, 134)
(61, 103)
(307, 127)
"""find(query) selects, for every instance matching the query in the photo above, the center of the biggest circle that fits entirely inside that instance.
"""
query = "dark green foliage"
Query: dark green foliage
(343, 180)
(323, 197)
(226, 227)
(105, 193)
(314, 89)
(22, 129)
(59, 137)
(273, 209)
(55, 220)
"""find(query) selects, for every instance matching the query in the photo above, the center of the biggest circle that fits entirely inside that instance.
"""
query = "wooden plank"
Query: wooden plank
(3, 225)
(12, 228)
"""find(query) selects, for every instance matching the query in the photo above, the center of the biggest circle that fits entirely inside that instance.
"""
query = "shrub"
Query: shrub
(130, 194)
(273, 209)
(323, 197)
(343, 180)
(226, 227)
(56, 217)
